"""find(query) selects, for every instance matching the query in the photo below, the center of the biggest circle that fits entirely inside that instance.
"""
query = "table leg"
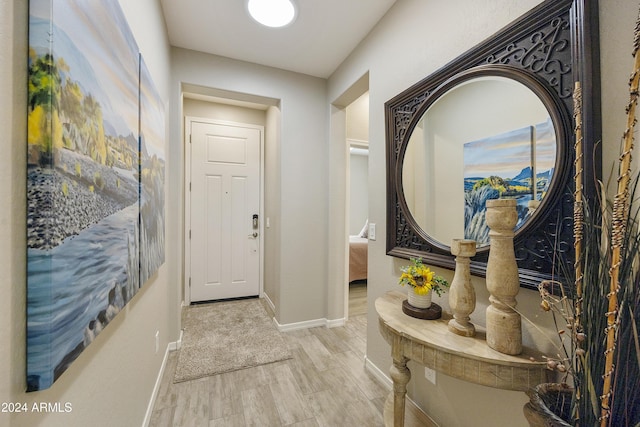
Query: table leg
(400, 375)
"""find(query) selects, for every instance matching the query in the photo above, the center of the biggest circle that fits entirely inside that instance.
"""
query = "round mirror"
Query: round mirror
(479, 138)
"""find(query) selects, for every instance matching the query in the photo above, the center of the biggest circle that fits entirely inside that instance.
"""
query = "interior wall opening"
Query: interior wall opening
(357, 140)
(226, 107)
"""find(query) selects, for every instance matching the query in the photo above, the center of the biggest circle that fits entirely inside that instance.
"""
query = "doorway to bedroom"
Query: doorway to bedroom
(357, 133)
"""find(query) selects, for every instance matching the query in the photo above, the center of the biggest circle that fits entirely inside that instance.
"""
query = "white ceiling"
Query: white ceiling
(323, 35)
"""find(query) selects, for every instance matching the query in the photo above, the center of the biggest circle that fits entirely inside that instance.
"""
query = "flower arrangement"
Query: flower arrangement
(421, 278)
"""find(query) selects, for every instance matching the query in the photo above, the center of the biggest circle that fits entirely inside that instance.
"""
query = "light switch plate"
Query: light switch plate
(372, 231)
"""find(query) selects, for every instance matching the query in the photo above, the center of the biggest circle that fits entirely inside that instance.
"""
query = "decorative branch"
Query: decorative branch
(578, 220)
(620, 211)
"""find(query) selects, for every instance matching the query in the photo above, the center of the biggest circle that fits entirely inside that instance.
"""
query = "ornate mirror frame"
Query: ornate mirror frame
(548, 49)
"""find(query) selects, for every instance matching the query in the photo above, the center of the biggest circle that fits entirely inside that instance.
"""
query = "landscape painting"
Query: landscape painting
(82, 178)
(152, 169)
(518, 164)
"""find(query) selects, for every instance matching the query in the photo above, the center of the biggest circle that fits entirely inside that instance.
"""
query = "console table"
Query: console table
(429, 343)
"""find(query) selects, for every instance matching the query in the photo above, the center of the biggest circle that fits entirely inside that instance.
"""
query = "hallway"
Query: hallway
(324, 384)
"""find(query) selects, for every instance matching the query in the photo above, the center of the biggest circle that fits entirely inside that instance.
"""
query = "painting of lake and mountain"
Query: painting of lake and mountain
(517, 164)
(83, 179)
(152, 170)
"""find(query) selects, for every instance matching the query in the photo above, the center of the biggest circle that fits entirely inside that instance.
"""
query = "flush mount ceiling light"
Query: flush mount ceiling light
(272, 13)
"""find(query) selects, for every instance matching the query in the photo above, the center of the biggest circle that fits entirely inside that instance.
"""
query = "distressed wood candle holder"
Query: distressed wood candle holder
(462, 296)
(504, 326)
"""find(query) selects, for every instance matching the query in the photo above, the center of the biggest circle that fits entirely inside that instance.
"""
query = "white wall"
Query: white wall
(358, 119)
(299, 215)
(272, 244)
(13, 107)
(358, 192)
(414, 39)
(217, 111)
(112, 380)
(357, 125)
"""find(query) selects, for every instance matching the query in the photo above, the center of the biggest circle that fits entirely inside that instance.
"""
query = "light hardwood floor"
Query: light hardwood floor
(358, 298)
(324, 384)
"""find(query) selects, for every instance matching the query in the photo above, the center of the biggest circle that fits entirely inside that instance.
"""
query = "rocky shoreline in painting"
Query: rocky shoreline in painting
(77, 193)
(117, 301)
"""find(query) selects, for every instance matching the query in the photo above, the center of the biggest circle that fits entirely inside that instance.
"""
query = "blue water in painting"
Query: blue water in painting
(69, 285)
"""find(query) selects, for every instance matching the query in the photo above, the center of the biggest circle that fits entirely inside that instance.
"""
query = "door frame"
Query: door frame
(338, 292)
(187, 199)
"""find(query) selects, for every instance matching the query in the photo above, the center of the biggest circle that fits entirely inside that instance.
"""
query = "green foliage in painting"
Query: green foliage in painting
(62, 115)
(45, 128)
(492, 181)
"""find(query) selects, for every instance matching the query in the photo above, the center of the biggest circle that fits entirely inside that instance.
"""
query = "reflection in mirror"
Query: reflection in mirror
(485, 138)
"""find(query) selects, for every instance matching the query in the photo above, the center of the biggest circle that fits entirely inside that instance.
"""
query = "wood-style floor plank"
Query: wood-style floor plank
(260, 408)
(328, 409)
(290, 403)
(358, 298)
(324, 384)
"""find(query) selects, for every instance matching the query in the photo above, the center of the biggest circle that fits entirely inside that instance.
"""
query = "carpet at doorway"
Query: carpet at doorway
(227, 336)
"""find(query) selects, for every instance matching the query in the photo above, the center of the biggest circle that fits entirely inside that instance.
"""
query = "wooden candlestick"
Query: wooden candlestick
(504, 326)
(462, 296)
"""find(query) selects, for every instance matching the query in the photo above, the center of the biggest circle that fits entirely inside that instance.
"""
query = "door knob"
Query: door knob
(253, 235)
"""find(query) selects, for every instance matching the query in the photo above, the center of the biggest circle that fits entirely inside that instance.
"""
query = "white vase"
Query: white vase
(417, 300)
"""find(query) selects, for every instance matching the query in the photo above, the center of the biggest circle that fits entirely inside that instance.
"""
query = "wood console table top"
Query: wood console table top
(431, 344)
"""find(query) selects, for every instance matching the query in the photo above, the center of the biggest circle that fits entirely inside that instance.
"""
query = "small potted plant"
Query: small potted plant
(421, 281)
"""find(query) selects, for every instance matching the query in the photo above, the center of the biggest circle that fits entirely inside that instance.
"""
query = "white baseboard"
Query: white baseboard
(386, 382)
(270, 303)
(177, 344)
(309, 324)
(300, 325)
(172, 346)
(156, 388)
(336, 323)
(380, 375)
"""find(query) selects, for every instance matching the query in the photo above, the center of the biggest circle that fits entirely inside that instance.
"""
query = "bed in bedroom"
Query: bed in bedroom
(357, 258)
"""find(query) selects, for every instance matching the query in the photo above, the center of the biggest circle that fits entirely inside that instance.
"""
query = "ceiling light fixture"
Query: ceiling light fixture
(272, 13)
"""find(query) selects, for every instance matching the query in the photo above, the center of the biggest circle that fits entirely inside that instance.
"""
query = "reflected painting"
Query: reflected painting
(518, 164)
(83, 179)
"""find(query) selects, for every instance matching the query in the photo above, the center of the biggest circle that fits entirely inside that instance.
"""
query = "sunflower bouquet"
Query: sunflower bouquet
(421, 278)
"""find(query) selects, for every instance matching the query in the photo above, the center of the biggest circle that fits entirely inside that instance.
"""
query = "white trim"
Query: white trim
(316, 323)
(387, 383)
(186, 262)
(187, 197)
(335, 323)
(346, 221)
(359, 151)
(270, 303)
(358, 143)
(176, 345)
(380, 375)
(156, 388)
(299, 325)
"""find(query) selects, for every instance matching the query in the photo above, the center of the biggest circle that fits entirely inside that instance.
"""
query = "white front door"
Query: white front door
(225, 204)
